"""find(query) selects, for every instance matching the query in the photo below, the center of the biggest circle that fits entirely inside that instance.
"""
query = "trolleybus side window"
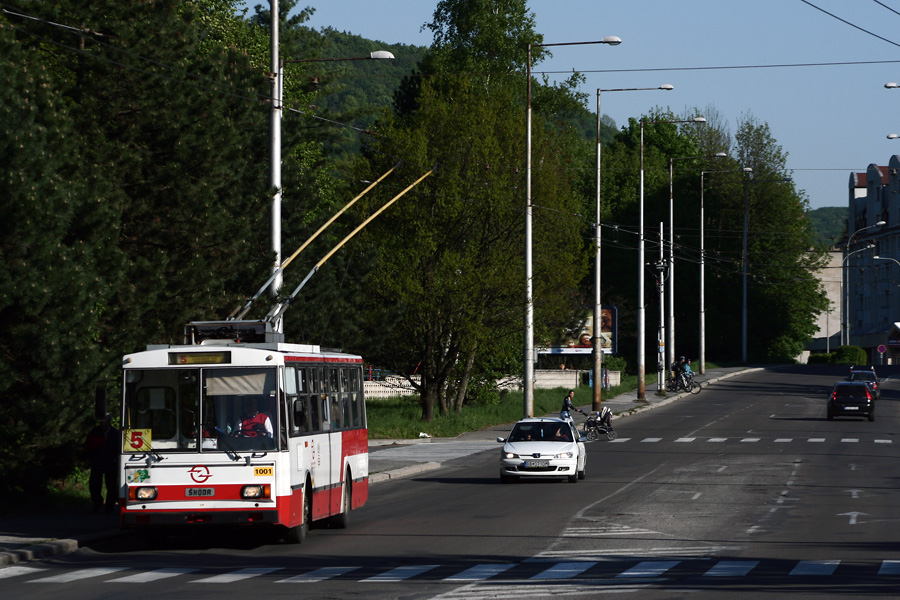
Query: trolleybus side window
(356, 397)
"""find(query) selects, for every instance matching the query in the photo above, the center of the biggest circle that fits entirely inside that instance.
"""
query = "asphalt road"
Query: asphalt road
(744, 490)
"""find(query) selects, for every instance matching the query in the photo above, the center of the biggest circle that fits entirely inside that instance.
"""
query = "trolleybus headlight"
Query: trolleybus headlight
(142, 493)
(256, 492)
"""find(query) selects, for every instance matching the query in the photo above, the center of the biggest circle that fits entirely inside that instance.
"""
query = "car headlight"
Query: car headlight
(565, 455)
(142, 494)
(255, 492)
(504, 454)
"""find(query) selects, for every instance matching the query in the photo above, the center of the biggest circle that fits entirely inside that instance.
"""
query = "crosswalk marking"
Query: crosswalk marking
(649, 568)
(890, 567)
(564, 570)
(151, 576)
(318, 575)
(547, 567)
(480, 572)
(239, 575)
(401, 573)
(747, 440)
(18, 570)
(815, 567)
(78, 575)
(732, 568)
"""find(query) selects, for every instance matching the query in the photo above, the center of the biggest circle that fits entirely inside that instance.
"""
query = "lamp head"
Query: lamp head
(891, 85)
(612, 40)
(699, 119)
(667, 86)
(381, 54)
(893, 136)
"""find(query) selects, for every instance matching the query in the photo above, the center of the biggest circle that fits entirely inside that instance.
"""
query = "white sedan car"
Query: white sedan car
(542, 447)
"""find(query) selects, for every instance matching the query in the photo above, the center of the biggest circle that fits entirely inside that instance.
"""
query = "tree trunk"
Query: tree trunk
(463, 386)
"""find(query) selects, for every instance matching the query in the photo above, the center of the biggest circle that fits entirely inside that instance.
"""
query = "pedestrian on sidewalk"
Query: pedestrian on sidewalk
(102, 451)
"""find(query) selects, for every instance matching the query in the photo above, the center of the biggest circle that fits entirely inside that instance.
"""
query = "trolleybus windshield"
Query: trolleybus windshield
(215, 409)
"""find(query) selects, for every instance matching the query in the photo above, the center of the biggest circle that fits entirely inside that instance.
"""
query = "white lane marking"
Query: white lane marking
(849, 440)
(565, 570)
(239, 575)
(619, 440)
(651, 440)
(150, 576)
(815, 567)
(747, 440)
(480, 572)
(783, 440)
(79, 574)
(717, 440)
(685, 439)
(649, 568)
(731, 568)
(318, 575)
(400, 573)
(815, 440)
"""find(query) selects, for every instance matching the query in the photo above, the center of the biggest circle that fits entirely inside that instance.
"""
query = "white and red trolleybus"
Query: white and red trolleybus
(235, 428)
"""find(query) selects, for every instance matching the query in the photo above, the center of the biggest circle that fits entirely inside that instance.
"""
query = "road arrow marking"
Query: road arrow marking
(852, 515)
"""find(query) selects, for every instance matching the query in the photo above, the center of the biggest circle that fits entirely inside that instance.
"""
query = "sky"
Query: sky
(816, 79)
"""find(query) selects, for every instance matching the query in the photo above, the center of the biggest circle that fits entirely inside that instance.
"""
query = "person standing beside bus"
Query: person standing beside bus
(102, 450)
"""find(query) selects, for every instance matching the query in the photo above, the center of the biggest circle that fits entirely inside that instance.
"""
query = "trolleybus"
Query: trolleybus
(235, 427)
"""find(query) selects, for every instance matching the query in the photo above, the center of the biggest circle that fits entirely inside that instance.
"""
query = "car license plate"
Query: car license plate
(199, 492)
(536, 463)
(851, 408)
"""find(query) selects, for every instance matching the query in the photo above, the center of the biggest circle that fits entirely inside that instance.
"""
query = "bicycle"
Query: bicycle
(683, 382)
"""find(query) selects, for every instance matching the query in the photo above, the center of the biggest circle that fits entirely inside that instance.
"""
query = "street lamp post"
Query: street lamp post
(670, 327)
(641, 333)
(596, 340)
(745, 170)
(277, 111)
(845, 283)
(528, 375)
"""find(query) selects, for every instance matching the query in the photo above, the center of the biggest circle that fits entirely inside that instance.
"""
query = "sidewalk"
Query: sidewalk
(29, 537)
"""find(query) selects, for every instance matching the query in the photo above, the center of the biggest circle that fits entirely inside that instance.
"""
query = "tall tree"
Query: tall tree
(152, 205)
(450, 258)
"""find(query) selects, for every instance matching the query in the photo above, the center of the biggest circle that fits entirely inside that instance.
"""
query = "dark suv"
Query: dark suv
(851, 398)
(866, 374)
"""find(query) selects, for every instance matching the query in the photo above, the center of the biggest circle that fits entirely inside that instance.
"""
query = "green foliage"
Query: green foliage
(829, 224)
(821, 358)
(128, 169)
(615, 363)
(849, 355)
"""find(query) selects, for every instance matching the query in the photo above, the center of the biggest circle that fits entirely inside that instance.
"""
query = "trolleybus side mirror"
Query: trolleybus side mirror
(100, 401)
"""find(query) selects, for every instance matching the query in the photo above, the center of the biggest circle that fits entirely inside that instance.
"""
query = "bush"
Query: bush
(615, 363)
(850, 355)
(821, 358)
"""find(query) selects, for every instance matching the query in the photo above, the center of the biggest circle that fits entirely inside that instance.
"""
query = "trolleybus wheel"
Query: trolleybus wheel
(297, 533)
(342, 519)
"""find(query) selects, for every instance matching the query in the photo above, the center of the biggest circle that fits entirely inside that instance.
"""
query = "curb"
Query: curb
(403, 472)
(35, 551)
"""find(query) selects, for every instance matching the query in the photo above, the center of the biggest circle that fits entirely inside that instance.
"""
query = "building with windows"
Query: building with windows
(871, 263)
